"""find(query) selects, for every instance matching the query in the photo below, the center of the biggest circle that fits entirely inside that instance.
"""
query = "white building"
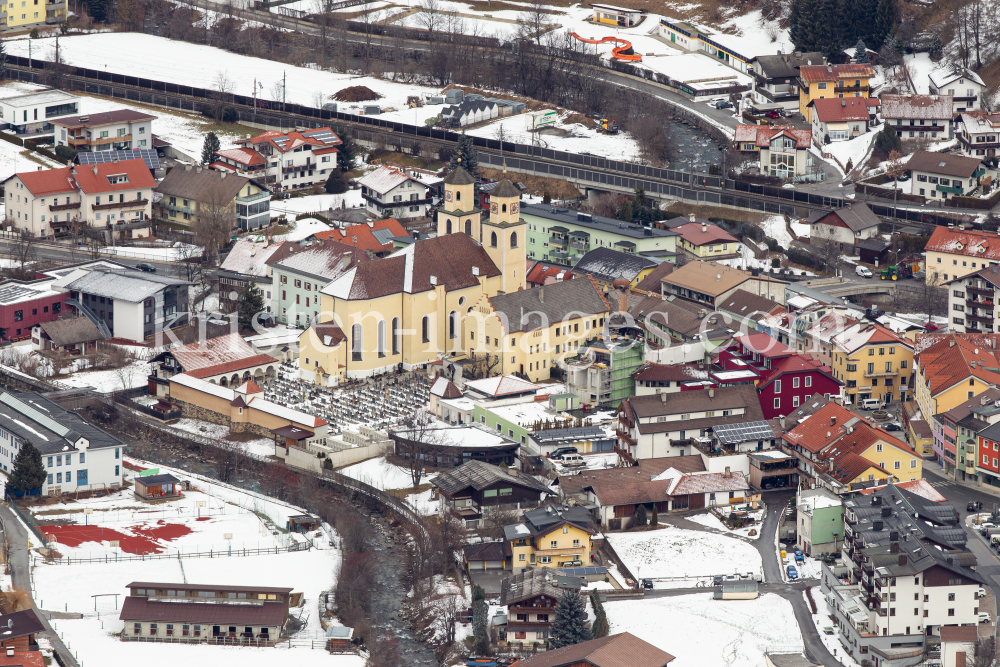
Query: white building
(938, 176)
(390, 192)
(972, 306)
(962, 84)
(919, 116)
(76, 455)
(119, 130)
(114, 196)
(978, 133)
(284, 160)
(35, 112)
(470, 112)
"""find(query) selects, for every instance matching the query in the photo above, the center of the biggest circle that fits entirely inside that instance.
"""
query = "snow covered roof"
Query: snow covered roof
(212, 352)
(860, 334)
(927, 107)
(980, 122)
(709, 482)
(608, 264)
(325, 261)
(970, 242)
(502, 386)
(249, 257)
(124, 284)
(385, 178)
(942, 76)
(445, 388)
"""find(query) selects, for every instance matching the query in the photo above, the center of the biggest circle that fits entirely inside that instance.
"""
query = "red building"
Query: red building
(784, 378)
(25, 303)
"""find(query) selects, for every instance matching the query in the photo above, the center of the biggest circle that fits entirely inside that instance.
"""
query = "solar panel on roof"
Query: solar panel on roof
(15, 293)
(735, 433)
(148, 155)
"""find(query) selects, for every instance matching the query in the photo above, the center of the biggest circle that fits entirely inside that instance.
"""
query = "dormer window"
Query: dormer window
(114, 179)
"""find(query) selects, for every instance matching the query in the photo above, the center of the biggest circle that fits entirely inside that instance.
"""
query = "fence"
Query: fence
(179, 555)
(29, 521)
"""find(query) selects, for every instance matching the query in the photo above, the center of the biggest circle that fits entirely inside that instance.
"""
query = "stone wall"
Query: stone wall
(198, 412)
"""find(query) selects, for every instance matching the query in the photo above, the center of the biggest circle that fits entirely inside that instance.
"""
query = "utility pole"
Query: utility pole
(284, 86)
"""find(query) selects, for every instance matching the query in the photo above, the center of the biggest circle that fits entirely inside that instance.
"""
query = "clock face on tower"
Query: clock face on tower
(513, 208)
(493, 207)
(447, 195)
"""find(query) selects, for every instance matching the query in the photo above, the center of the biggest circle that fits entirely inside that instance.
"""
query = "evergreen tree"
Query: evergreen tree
(478, 593)
(570, 624)
(797, 23)
(209, 148)
(347, 153)
(29, 472)
(466, 151)
(546, 197)
(599, 628)
(480, 633)
(887, 140)
(640, 518)
(3, 60)
(936, 52)
(625, 212)
(654, 520)
(336, 182)
(251, 303)
(861, 52)
(886, 18)
(639, 198)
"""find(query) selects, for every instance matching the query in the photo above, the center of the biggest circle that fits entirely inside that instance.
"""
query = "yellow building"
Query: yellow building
(703, 240)
(550, 537)
(955, 252)
(24, 14)
(955, 368)
(823, 81)
(533, 330)
(873, 363)
(409, 309)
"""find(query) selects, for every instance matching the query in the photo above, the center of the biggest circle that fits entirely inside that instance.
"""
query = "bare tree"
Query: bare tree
(126, 372)
(222, 94)
(429, 17)
(536, 19)
(215, 221)
(418, 430)
(480, 366)
(985, 654)
(894, 169)
(22, 254)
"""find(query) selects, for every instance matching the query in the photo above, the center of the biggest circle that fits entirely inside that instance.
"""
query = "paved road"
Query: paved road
(69, 255)
(20, 574)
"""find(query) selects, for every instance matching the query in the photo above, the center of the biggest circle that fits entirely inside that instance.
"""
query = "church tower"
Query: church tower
(459, 212)
(504, 235)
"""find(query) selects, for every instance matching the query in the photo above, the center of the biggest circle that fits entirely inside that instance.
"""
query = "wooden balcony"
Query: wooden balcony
(130, 203)
(64, 207)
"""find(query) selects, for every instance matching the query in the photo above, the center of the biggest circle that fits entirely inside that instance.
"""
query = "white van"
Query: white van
(571, 460)
(863, 271)
(871, 404)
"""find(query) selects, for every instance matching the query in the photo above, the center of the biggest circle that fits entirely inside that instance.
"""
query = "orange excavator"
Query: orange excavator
(618, 52)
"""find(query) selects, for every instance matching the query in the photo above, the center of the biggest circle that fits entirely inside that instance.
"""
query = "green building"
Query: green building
(602, 375)
(820, 521)
(562, 236)
(516, 418)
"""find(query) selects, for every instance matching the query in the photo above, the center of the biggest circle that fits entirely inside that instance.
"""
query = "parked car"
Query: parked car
(984, 617)
(773, 113)
(794, 574)
(148, 268)
(800, 557)
(974, 506)
(559, 452)
(572, 460)
(648, 583)
(893, 427)
(863, 271)
(871, 404)
(982, 592)
(723, 104)
(985, 528)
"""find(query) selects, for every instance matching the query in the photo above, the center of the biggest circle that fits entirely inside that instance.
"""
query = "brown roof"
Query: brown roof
(20, 623)
(933, 107)
(707, 277)
(329, 333)
(650, 372)
(841, 109)
(959, 633)
(72, 331)
(103, 118)
(539, 307)
(711, 482)
(817, 431)
(622, 650)
(485, 551)
(695, 234)
(940, 163)
(645, 471)
(855, 217)
(160, 585)
(271, 614)
(817, 73)
(614, 492)
(740, 396)
(848, 466)
(203, 184)
(232, 366)
(651, 283)
(505, 189)
(743, 303)
(459, 176)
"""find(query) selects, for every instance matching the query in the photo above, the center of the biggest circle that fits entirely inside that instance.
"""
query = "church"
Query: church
(410, 308)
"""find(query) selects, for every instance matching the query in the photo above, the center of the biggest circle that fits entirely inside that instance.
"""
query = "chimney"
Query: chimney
(902, 559)
(691, 217)
(475, 270)
(894, 548)
(728, 473)
(223, 175)
(711, 393)
(434, 280)
(877, 525)
(782, 420)
(197, 170)
(961, 227)
(345, 262)
(94, 168)
(187, 167)
(886, 512)
(843, 102)
(541, 294)
(894, 535)
(663, 398)
(704, 228)
(833, 420)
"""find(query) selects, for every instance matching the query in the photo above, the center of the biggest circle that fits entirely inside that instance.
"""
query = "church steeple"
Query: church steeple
(459, 212)
(504, 235)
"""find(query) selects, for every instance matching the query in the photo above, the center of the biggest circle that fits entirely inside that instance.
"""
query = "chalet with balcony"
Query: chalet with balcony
(20, 630)
(773, 469)
(195, 613)
(818, 82)
(978, 134)
(841, 119)
(390, 192)
(283, 160)
(964, 86)
(531, 598)
(470, 487)
(776, 78)
(551, 536)
(939, 176)
(192, 193)
(784, 151)
(919, 116)
(119, 130)
(905, 574)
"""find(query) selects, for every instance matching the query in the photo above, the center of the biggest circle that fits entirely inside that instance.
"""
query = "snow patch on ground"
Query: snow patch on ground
(855, 150)
(774, 226)
(677, 553)
(381, 474)
(295, 206)
(107, 381)
(304, 228)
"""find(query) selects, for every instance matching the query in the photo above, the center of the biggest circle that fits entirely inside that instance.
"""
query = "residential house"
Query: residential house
(74, 336)
(22, 19)
(576, 485)
(485, 556)
(899, 549)
(651, 378)
(246, 263)
(622, 648)
(24, 304)
(818, 82)
(562, 236)
(469, 112)
(783, 378)
(617, 16)
(776, 78)
(840, 119)
(650, 285)
(198, 613)
(954, 252)
(298, 276)
(958, 645)
(978, 134)
(710, 284)
(820, 515)
(390, 192)
(668, 320)
(126, 303)
(375, 236)
(660, 425)
(586, 440)
(551, 536)
(972, 303)
(542, 274)
(78, 457)
(809, 325)
(550, 322)
(748, 309)
(114, 197)
(601, 372)
(844, 226)
(918, 116)
(531, 597)
(607, 267)
(225, 360)
(961, 84)
(468, 489)
(705, 241)
(784, 151)
(19, 643)
(119, 130)
(873, 362)
(33, 113)
(284, 160)
(447, 402)
(938, 176)
(961, 429)
(191, 194)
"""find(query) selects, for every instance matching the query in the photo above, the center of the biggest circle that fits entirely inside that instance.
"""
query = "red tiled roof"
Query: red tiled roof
(959, 633)
(246, 156)
(848, 466)
(764, 345)
(819, 73)
(793, 364)
(953, 359)
(695, 235)
(970, 242)
(539, 273)
(49, 181)
(817, 431)
(93, 179)
(841, 109)
(762, 135)
(295, 139)
(232, 366)
(361, 236)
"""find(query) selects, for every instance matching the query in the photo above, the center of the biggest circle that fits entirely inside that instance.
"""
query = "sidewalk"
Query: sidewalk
(935, 469)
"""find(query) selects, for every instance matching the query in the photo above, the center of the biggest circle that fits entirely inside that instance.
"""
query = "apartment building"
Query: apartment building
(776, 77)
(906, 573)
(919, 116)
(283, 160)
(192, 193)
(709, 284)
(972, 302)
(952, 252)
(550, 536)
(27, 14)
(961, 429)
(297, 276)
(531, 598)
(979, 133)
(119, 130)
(390, 191)
(938, 176)
(115, 196)
(33, 113)
(873, 362)
(825, 81)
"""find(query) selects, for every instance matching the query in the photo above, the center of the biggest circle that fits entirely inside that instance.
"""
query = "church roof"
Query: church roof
(505, 189)
(459, 176)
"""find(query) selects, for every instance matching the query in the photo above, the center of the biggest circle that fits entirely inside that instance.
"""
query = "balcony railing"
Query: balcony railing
(985, 291)
(252, 198)
(985, 319)
(64, 207)
(974, 303)
(130, 203)
(881, 374)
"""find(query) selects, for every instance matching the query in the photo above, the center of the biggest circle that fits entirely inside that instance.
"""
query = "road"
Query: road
(20, 574)
(66, 254)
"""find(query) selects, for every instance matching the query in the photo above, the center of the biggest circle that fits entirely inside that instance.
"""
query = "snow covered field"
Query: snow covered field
(774, 226)
(677, 553)
(709, 520)
(107, 381)
(702, 632)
